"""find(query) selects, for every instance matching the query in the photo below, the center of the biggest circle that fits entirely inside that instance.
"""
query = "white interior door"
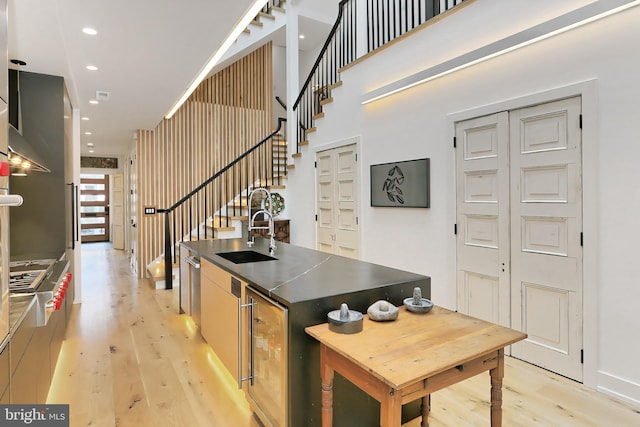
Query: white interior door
(546, 226)
(117, 212)
(336, 192)
(483, 244)
(519, 219)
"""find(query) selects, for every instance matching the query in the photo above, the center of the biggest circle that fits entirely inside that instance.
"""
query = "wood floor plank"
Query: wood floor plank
(131, 360)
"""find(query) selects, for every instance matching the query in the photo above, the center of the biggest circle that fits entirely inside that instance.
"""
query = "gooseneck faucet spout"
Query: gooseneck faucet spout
(267, 212)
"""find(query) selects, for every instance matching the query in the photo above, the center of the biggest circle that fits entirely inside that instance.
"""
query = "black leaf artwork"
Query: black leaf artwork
(392, 185)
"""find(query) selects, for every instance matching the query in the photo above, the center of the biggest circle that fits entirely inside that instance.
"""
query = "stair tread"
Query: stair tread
(326, 101)
(266, 15)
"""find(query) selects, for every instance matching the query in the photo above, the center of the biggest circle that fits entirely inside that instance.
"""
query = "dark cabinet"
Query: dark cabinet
(5, 371)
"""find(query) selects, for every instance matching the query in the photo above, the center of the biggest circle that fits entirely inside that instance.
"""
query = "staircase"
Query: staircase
(386, 20)
(218, 206)
(265, 165)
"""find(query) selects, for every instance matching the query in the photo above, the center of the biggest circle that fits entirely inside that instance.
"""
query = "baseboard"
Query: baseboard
(619, 388)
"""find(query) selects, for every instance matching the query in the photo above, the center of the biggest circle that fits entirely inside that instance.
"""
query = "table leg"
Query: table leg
(425, 407)
(497, 374)
(391, 410)
(326, 374)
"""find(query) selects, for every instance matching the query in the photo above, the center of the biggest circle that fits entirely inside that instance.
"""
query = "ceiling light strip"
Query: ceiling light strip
(561, 24)
(252, 12)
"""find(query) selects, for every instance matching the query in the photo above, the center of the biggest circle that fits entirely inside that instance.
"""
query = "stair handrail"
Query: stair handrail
(325, 46)
(166, 211)
(226, 168)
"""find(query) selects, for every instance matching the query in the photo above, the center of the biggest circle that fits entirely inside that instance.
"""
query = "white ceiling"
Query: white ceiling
(147, 52)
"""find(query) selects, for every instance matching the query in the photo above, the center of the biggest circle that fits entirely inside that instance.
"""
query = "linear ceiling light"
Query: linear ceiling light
(577, 18)
(231, 38)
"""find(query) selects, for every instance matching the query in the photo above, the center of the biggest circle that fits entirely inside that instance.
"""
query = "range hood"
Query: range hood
(22, 157)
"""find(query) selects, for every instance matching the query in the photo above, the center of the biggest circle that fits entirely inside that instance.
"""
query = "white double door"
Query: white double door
(337, 201)
(519, 221)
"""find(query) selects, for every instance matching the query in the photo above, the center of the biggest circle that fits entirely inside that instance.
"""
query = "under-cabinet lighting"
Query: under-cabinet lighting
(574, 19)
(231, 38)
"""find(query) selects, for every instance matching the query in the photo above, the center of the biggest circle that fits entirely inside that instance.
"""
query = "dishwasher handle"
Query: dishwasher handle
(251, 305)
(193, 261)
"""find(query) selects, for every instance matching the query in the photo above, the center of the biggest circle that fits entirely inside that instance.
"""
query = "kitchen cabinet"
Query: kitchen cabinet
(221, 294)
(58, 327)
(5, 371)
(24, 359)
(307, 284)
(40, 346)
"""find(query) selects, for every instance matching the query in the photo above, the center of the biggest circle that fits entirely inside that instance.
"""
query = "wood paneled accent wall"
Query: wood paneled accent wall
(228, 114)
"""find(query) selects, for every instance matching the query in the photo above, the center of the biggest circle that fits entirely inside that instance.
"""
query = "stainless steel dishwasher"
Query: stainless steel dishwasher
(190, 285)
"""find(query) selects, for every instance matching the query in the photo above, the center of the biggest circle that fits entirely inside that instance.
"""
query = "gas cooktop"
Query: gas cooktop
(25, 276)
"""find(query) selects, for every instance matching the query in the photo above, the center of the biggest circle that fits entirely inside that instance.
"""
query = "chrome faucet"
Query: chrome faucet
(267, 212)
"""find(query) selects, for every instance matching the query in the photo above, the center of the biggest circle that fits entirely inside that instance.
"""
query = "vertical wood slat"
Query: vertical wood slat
(225, 116)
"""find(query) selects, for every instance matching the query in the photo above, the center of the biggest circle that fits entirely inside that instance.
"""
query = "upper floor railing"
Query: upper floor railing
(386, 20)
(271, 4)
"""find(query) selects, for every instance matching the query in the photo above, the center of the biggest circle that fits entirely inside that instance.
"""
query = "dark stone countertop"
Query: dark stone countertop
(301, 274)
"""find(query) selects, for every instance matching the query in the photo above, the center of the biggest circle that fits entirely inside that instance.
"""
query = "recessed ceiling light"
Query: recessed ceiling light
(89, 144)
(84, 118)
(90, 31)
(301, 36)
(91, 151)
(94, 102)
(87, 133)
(91, 68)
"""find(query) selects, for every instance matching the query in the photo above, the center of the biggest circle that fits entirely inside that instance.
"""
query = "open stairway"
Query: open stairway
(218, 207)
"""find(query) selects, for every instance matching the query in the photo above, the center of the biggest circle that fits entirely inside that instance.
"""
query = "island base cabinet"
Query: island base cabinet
(221, 295)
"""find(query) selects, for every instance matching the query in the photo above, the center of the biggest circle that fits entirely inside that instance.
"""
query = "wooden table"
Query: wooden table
(410, 358)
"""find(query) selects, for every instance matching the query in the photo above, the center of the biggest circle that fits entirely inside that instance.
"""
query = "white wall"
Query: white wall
(419, 123)
(279, 81)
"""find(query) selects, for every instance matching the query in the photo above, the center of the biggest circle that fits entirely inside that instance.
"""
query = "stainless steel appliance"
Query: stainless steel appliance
(5, 199)
(267, 359)
(190, 285)
(47, 279)
(25, 276)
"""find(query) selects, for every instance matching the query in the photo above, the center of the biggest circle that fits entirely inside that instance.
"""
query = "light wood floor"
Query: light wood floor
(131, 360)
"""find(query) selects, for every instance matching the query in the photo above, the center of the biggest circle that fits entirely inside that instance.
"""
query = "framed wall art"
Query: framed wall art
(400, 184)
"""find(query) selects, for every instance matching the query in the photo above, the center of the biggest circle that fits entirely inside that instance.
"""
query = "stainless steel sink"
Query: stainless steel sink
(242, 257)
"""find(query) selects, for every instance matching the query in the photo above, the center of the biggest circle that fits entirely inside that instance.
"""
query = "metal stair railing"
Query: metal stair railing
(386, 20)
(187, 218)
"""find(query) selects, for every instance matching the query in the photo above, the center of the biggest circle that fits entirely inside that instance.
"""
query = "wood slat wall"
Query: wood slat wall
(227, 114)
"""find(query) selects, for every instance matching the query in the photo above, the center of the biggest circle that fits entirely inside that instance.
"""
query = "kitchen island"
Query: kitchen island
(309, 284)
